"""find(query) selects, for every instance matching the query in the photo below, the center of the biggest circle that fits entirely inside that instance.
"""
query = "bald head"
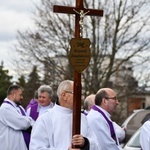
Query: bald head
(103, 93)
(106, 98)
(105, 89)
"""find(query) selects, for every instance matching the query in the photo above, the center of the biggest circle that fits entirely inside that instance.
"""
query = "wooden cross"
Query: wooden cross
(77, 76)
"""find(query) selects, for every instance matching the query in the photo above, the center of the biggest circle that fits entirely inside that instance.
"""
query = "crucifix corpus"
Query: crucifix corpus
(79, 54)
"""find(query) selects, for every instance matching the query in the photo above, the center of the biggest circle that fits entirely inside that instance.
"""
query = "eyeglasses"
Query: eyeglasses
(71, 92)
(114, 98)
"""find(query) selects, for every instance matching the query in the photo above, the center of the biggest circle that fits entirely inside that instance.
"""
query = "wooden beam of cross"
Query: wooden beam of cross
(77, 76)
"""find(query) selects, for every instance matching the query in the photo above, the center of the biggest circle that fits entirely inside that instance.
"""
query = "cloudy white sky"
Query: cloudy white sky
(14, 15)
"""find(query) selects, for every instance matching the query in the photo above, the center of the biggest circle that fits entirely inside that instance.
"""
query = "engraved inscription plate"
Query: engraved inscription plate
(80, 54)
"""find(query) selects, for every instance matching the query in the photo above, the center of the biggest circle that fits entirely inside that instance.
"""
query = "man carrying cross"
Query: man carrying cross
(79, 63)
(53, 130)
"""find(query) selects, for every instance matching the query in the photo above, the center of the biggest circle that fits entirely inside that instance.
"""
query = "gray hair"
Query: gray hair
(46, 88)
(36, 94)
(64, 85)
(88, 102)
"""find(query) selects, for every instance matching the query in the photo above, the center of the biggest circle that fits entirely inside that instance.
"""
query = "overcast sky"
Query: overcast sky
(14, 15)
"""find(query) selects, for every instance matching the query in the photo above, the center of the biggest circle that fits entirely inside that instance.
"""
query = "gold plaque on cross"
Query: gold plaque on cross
(80, 54)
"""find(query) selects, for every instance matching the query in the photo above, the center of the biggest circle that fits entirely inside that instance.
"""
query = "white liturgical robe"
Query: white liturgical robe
(120, 132)
(102, 129)
(145, 136)
(40, 109)
(11, 124)
(53, 130)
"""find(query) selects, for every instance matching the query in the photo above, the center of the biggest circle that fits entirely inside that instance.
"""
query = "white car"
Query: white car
(135, 121)
(134, 142)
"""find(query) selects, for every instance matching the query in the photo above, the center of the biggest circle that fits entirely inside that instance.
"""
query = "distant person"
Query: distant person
(99, 119)
(88, 103)
(32, 107)
(33, 100)
(145, 136)
(15, 126)
(53, 130)
(44, 102)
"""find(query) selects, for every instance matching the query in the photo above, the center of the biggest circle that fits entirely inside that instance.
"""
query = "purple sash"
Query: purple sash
(85, 113)
(34, 111)
(33, 105)
(26, 134)
(113, 135)
(32, 102)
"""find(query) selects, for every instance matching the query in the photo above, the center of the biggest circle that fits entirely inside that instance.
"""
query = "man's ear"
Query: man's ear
(104, 101)
(63, 94)
(14, 95)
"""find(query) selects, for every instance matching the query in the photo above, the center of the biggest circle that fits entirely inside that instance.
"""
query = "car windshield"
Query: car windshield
(130, 117)
(135, 140)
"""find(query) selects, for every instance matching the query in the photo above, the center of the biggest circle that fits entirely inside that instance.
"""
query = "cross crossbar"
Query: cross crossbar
(70, 10)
